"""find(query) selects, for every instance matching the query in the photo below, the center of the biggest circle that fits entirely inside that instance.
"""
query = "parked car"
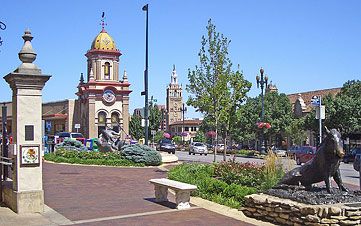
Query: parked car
(198, 148)
(166, 145)
(210, 146)
(280, 152)
(356, 163)
(59, 137)
(304, 154)
(220, 147)
(291, 152)
(350, 156)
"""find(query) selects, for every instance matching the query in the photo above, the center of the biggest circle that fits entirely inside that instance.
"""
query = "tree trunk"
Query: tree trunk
(216, 145)
(225, 147)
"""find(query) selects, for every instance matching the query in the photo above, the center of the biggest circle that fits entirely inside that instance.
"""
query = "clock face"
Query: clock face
(108, 96)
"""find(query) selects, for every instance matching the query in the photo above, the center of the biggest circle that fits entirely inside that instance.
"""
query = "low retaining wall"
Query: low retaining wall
(288, 212)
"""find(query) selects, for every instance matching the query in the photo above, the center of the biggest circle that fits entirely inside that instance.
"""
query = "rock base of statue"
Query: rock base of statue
(284, 211)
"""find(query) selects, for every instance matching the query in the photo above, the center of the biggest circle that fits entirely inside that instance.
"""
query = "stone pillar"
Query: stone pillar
(26, 82)
(125, 114)
(92, 127)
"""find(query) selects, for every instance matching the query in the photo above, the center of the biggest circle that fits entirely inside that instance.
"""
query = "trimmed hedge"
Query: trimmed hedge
(91, 158)
(141, 154)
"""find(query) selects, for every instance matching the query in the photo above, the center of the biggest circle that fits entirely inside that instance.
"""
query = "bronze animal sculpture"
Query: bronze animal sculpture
(325, 164)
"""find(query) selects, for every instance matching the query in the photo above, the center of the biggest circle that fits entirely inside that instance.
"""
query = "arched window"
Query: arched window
(107, 71)
(115, 121)
(102, 121)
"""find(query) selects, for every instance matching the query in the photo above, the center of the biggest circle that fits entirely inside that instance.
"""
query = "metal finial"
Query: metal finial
(103, 21)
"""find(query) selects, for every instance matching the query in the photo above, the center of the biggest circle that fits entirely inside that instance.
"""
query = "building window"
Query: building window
(107, 71)
(115, 121)
(186, 128)
(102, 121)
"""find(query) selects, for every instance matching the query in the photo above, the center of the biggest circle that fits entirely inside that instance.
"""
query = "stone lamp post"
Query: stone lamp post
(26, 82)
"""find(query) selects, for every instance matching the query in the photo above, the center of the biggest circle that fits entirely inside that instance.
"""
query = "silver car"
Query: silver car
(198, 148)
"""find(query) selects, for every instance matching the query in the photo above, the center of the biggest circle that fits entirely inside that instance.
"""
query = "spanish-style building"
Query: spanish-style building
(102, 96)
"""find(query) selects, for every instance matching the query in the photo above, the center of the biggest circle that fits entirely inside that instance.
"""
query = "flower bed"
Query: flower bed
(226, 183)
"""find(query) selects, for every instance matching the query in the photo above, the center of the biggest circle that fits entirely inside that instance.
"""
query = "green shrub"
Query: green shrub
(141, 154)
(273, 171)
(91, 158)
(71, 144)
(244, 152)
(245, 174)
(212, 185)
(209, 187)
(238, 192)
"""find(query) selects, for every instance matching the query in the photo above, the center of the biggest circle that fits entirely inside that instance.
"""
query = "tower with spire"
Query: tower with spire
(103, 98)
(174, 100)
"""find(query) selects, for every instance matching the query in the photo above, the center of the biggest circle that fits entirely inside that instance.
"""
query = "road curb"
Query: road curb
(226, 211)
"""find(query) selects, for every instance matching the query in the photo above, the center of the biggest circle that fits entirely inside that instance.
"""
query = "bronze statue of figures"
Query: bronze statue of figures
(109, 140)
(324, 165)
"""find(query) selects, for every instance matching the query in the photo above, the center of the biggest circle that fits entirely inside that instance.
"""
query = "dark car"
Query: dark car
(356, 163)
(304, 154)
(166, 145)
(350, 156)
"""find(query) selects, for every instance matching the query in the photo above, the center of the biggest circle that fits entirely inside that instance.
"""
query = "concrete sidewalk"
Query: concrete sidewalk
(96, 195)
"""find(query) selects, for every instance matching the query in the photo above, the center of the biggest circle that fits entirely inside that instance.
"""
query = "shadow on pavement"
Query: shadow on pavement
(165, 203)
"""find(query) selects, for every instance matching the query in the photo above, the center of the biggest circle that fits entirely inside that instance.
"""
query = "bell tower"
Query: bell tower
(104, 97)
(174, 100)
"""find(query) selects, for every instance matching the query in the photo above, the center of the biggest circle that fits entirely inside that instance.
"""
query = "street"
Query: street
(348, 174)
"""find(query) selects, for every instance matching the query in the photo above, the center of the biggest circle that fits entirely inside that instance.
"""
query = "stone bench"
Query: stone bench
(182, 191)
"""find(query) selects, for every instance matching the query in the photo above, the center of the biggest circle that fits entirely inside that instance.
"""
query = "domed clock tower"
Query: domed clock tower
(103, 97)
(174, 100)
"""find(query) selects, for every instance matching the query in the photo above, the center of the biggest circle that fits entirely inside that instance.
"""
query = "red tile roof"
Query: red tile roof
(306, 96)
(187, 122)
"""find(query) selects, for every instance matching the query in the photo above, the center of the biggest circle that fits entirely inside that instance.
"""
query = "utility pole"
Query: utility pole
(145, 8)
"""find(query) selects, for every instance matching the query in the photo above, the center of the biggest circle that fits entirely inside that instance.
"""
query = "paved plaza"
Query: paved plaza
(96, 195)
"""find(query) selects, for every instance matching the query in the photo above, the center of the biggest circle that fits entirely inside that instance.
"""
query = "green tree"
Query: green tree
(199, 137)
(278, 112)
(158, 136)
(135, 127)
(177, 139)
(343, 111)
(155, 116)
(295, 131)
(215, 90)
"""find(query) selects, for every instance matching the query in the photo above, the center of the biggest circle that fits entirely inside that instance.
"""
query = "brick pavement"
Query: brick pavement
(93, 195)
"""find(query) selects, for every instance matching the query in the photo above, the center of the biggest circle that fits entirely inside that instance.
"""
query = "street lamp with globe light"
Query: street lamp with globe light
(262, 81)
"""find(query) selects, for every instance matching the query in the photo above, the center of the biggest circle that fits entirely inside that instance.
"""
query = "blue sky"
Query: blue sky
(302, 45)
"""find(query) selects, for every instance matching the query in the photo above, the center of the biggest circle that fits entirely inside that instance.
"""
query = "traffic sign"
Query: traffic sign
(321, 113)
(315, 101)
(153, 132)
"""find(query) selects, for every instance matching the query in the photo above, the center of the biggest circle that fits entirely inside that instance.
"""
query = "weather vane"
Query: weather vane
(102, 20)
(2, 27)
